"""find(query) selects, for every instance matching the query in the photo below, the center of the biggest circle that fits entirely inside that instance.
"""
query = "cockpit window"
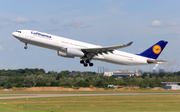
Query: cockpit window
(18, 31)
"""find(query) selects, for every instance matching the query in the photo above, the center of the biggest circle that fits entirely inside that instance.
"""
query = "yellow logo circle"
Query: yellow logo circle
(157, 49)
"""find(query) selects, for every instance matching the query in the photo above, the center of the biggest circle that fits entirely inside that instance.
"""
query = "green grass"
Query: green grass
(122, 103)
(106, 91)
(8, 95)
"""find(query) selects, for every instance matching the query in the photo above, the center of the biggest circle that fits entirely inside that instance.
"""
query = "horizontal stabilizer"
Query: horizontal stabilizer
(155, 61)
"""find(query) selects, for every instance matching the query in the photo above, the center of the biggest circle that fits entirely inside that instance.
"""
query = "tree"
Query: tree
(11, 80)
(100, 83)
(39, 78)
(144, 75)
(65, 73)
(2, 83)
(41, 84)
(82, 84)
(8, 85)
(59, 76)
(79, 74)
(29, 81)
(18, 79)
(19, 84)
(54, 83)
(42, 71)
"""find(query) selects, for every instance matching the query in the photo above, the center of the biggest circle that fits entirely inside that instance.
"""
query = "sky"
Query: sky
(99, 22)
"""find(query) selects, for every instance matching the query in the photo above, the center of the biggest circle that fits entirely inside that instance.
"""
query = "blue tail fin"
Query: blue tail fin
(155, 50)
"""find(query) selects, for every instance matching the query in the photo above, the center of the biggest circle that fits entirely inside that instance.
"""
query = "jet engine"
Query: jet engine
(64, 54)
(74, 52)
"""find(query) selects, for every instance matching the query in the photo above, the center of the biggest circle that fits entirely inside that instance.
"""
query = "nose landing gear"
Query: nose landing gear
(25, 46)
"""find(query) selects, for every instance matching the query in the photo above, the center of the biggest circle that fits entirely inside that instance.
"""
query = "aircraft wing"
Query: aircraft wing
(105, 50)
(156, 61)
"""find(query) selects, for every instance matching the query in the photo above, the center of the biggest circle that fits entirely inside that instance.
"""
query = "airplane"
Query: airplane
(87, 52)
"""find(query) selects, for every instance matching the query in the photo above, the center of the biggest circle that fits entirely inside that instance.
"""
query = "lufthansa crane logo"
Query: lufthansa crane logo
(157, 49)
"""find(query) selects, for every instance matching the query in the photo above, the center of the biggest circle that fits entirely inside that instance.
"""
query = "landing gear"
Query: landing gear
(25, 46)
(86, 62)
(82, 61)
(91, 64)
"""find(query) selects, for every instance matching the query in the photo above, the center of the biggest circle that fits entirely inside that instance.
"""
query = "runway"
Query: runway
(20, 96)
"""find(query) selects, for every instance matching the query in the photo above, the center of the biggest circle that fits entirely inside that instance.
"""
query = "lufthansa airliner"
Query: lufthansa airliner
(87, 52)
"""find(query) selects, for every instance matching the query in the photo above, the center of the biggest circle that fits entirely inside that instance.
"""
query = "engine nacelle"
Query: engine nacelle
(74, 52)
(64, 54)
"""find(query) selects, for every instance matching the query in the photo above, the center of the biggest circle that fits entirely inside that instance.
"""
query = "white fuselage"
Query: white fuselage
(60, 44)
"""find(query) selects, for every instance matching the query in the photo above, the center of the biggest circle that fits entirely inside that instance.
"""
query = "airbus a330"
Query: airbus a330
(87, 52)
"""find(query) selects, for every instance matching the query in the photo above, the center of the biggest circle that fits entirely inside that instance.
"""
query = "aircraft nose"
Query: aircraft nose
(14, 33)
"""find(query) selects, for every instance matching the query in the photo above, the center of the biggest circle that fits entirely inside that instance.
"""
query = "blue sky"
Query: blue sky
(100, 22)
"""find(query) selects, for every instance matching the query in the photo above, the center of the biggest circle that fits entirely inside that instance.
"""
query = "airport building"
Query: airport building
(171, 85)
(122, 73)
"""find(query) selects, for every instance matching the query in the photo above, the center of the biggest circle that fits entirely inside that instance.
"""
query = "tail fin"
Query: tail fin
(155, 50)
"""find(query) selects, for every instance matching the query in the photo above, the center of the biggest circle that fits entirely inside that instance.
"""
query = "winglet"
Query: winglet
(129, 43)
(122, 46)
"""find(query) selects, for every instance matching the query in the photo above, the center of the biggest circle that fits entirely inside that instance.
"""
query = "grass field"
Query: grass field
(106, 91)
(122, 103)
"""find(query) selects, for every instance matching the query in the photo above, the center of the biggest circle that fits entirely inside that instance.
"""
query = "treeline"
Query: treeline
(39, 78)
